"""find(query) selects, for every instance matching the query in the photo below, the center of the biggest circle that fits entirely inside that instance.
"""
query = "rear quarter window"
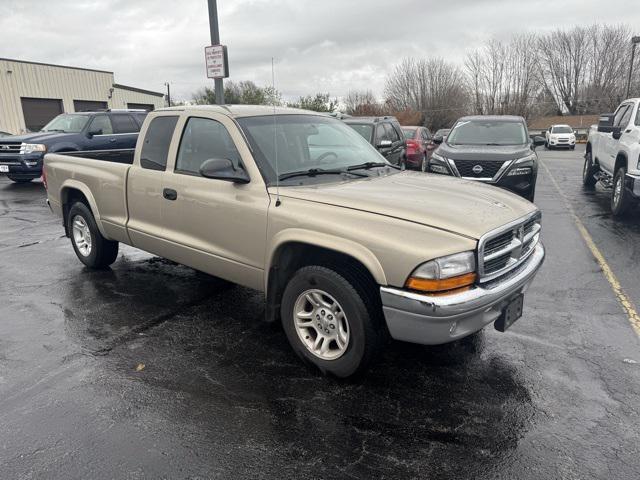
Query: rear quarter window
(155, 148)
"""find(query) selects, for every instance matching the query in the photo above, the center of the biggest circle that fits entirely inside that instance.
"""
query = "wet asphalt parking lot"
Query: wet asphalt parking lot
(152, 370)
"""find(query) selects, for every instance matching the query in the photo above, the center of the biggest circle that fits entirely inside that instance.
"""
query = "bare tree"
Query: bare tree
(502, 78)
(363, 103)
(433, 87)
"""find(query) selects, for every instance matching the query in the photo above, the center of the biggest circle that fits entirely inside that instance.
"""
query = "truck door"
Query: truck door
(144, 185)
(611, 146)
(216, 226)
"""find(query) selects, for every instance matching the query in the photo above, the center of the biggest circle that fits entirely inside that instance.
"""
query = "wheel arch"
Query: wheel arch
(72, 191)
(291, 252)
(621, 160)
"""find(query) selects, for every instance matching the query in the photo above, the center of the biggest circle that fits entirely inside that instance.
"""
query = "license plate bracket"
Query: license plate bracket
(4, 168)
(511, 313)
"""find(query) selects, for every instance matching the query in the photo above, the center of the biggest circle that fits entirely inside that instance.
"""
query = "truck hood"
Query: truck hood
(37, 137)
(459, 206)
(484, 152)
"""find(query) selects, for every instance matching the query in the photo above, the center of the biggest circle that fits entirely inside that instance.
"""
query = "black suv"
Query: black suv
(21, 155)
(384, 133)
(491, 149)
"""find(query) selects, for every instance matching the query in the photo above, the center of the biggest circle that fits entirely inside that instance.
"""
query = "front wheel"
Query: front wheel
(621, 199)
(331, 322)
(90, 246)
(589, 171)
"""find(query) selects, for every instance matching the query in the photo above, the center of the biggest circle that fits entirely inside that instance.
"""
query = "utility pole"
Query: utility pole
(215, 40)
(634, 42)
(168, 93)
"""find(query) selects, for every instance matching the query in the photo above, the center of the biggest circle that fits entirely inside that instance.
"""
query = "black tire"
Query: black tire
(360, 306)
(531, 195)
(573, 147)
(423, 163)
(103, 252)
(546, 145)
(19, 180)
(588, 171)
(621, 203)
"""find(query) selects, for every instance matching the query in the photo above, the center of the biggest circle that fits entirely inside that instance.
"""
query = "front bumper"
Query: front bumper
(566, 143)
(428, 320)
(23, 166)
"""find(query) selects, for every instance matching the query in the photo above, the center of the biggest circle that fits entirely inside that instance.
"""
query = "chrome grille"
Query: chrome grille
(6, 147)
(503, 249)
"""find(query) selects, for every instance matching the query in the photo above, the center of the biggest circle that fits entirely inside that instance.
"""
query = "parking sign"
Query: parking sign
(217, 61)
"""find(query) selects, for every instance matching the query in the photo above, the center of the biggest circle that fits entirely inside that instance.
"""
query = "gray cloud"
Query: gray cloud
(329, 45)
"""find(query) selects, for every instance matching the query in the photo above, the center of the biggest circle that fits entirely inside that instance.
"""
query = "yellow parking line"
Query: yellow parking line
(632, 314)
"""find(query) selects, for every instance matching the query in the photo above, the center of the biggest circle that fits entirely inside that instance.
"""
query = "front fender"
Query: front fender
(330, 242)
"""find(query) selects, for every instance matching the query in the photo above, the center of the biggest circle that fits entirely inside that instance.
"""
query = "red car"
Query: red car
(418, 151)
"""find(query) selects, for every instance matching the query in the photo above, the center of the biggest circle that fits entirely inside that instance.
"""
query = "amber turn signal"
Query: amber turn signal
(433, 286)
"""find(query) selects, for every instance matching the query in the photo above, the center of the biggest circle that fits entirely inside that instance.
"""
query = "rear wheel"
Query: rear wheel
(90, 246)
(19, 180)
(589, 171)
(331, 322)
(621, 199)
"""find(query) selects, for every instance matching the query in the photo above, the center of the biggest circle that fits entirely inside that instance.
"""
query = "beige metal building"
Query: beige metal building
(33, 93)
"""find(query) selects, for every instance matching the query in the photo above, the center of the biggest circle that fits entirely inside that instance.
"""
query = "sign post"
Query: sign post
(215, 42)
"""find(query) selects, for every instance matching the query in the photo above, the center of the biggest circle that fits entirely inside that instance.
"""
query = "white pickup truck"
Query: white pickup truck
(613, 155)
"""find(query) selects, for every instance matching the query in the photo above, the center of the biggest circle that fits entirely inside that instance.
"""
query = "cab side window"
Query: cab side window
(621, 113)
(102, 124)
(155, 148)
(202, 140)
(390, 133)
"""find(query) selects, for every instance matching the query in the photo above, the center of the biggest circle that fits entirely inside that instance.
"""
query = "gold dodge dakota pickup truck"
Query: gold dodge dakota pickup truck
(348, 249)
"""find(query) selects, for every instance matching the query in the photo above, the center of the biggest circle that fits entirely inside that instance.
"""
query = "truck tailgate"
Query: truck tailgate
(103, 184)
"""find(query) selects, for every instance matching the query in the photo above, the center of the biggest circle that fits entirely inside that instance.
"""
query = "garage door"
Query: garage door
(141, 106)
(39, 111)
(89, 105)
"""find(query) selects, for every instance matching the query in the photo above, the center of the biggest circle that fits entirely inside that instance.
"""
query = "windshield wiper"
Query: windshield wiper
(312, 172)
(54, 130)
(370, 165)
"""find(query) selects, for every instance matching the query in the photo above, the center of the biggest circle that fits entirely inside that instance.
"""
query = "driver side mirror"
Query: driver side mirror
(438, 140)
(223, 169)
(385, 143)
(93, 132)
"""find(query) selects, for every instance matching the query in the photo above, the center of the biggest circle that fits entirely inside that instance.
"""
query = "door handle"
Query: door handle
(169, 194)
(112, 139)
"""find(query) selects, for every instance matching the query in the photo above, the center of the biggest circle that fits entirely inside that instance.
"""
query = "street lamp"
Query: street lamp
(634, 42)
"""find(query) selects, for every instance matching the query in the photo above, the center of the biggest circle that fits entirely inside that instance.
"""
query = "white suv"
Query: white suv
(560, 136)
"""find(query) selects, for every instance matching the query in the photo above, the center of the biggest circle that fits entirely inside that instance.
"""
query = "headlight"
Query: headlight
(445, 273)
(32, 147)
(438, 164)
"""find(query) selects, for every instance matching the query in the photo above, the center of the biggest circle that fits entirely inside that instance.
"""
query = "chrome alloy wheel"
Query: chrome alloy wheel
(321, 324)
(617, 191)
(81, 235)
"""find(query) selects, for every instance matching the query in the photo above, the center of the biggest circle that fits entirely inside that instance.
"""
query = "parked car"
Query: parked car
(494, 149)
(208, 188)
(418, 152)
(612, 155)
(384, 133)
(560, 136)
(21, 155)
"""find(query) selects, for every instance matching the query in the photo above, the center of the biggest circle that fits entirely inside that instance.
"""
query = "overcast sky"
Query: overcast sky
(318, 45)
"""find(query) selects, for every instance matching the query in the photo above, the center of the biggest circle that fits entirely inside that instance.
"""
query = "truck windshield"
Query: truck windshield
(305, 142)
(487, 132)
(67, 123)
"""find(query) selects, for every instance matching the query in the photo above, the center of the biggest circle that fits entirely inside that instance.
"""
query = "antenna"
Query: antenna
(275, 132)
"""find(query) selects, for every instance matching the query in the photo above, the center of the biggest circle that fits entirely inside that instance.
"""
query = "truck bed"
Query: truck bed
(101, 179)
